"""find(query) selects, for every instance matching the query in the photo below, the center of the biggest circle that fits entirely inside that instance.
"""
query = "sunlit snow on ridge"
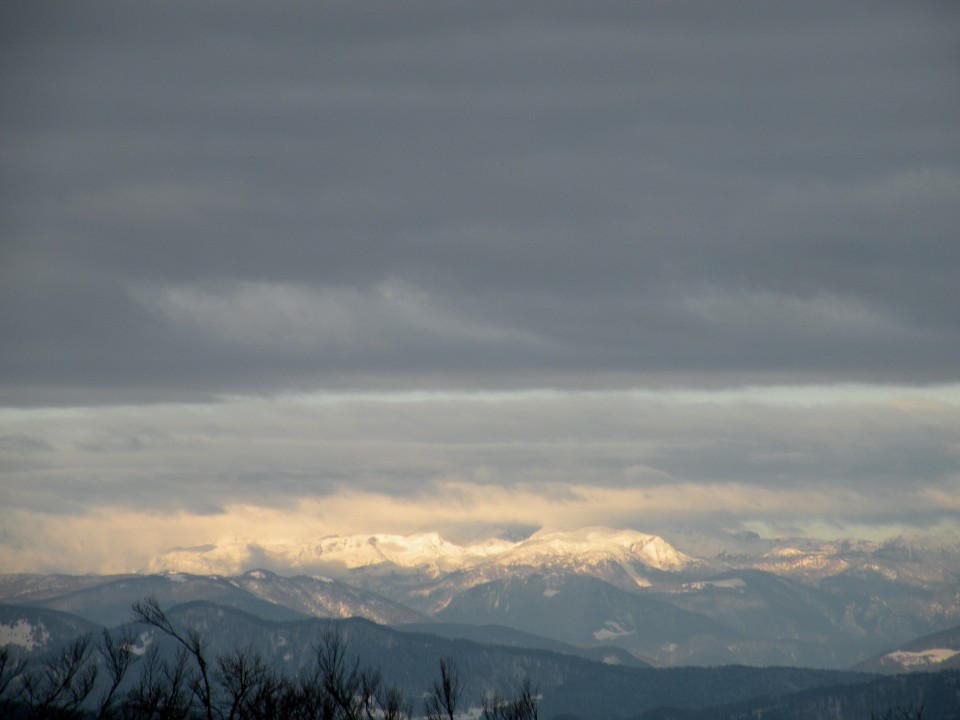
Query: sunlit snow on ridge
(923, 658)
(431, 553)
(733, 583)
(611, 630)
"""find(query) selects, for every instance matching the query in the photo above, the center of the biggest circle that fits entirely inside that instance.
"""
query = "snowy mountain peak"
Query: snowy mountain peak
(407, 551)
(597, 544)
(430, 553)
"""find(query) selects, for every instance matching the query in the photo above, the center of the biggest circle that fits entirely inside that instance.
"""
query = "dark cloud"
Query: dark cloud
(272, 453)
(283, 471)
(570, 197)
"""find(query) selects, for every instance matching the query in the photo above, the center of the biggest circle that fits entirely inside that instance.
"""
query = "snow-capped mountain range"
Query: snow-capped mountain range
(430, 554)
(626, 558)
(690, 600)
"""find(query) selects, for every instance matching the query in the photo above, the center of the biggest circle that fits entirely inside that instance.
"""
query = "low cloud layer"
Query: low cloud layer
(280, 472)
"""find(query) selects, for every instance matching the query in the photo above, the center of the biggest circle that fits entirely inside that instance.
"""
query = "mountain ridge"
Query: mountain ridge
(566, 683)
(430, 553)
(754, 601)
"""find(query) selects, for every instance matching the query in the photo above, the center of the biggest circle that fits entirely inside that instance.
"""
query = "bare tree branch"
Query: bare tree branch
(148, 611)
(442, 704)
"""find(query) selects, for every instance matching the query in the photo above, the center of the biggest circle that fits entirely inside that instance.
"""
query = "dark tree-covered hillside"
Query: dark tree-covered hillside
(112, 679)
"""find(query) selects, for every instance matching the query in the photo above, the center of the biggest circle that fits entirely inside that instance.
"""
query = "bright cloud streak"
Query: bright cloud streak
(110, 539)
(274, 473)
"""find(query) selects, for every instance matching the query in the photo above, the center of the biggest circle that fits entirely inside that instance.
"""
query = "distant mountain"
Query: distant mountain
(509, 637)
(627, 559)
(24, 587)
(780, 621)
(919, 559)
(759, 604)
(938, 651)
(107, 602)
(691, 600)
(324, 597)
(431, 555)
(583, 549)
(585, 611)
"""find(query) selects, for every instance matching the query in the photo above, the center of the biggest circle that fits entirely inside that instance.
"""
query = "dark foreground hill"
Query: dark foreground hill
(920, 696)
(409, 660)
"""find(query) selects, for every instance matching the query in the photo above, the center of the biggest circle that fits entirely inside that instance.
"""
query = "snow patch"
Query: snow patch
(640, 581)
(727, 583)
(611, 629)
(257, 574)
(550, 592)
(24, 634)
(145, 639)
(922, 658)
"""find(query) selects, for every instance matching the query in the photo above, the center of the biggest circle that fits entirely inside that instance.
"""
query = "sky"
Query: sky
(274, 271)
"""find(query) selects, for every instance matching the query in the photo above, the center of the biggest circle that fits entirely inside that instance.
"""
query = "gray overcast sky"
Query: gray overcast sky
(216, 215)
